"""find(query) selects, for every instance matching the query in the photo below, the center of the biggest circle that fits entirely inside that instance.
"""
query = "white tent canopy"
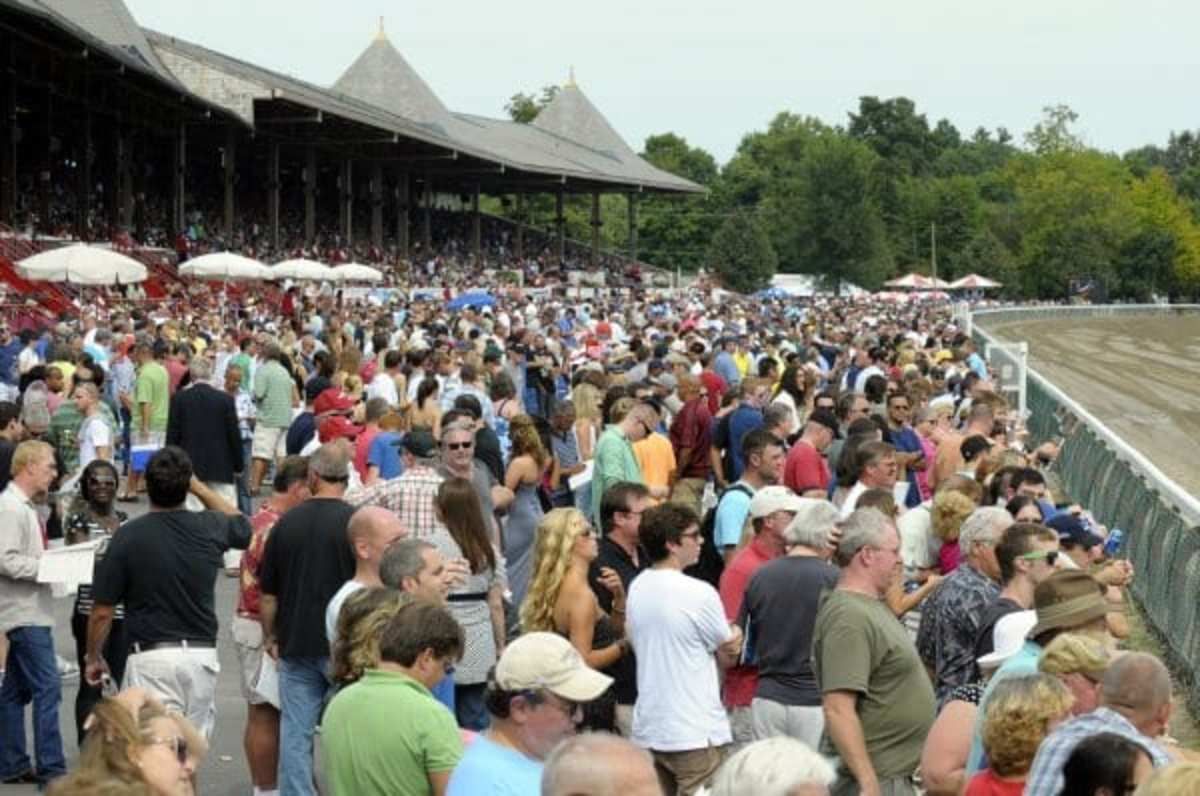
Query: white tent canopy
(225, 266)
(974, 282)
(915, 281)
(357, 272)
(81, 264)
(301, 269)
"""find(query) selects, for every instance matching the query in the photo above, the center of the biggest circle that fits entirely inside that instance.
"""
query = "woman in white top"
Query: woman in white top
(793, 392)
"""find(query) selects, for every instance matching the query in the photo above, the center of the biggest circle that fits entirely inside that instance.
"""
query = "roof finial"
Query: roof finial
(571, 78)
(380, 36)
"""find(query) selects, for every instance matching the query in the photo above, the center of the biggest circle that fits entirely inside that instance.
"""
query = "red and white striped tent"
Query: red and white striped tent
(974, 282)
(915, 281)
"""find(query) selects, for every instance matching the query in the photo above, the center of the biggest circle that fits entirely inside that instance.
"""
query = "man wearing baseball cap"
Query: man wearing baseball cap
(535, 698)
(771, 510)
(806, 469)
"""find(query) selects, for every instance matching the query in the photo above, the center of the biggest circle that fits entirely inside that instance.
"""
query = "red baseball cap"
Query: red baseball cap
(332, 400)
(337, 426)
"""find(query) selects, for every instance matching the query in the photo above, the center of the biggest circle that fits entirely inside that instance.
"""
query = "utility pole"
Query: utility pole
(933, 249)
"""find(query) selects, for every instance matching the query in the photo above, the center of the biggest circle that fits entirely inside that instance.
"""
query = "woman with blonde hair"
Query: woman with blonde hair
(1020, 713)
(587, 399)
(528, 462)
(134, 741)
(950, 509)
(359, 628)
(1079, 662)
(560, 600)
(1173, 780)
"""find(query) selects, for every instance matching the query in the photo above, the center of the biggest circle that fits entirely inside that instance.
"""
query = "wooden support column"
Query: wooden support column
(633, 226)
(595, 261)
(560, 227)
(403, 193)
(83, 173)
(377, 205)
(476, 226)
(273, 193)
(46, 170)
(137, 184)
(229, 162)
(9, 136)
(179, 179)
(310, 196)
(126, 181)
(427, 220)
(347, 201)
(519, 242)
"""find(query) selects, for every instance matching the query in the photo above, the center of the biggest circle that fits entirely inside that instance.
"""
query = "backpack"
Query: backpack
(712, 563)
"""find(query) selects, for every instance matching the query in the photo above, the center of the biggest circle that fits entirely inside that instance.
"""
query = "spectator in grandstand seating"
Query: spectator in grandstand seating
(1026, 554)
(1135, 704)
(951, 616)
(203, 421)
(595, 763)
(261, 738)
(771, 511)
(162, 566)
(615, 460)
(877, 469)
(371, 530)
(806, 470)
(385, 733)
(534, 697)
(677, 624)
(1021, 713)
(777, 615)
(27, 620)
(691, 439)
(274, 394)
(764, 456)
(306, 560)
(877, 699)
(778, 766)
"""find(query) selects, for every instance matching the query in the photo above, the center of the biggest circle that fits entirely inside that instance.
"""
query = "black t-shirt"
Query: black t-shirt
(984, 643)
(6, 454)
(613, 556)
(307, 559)
(780, 608)
(163, 566)
(487, 450)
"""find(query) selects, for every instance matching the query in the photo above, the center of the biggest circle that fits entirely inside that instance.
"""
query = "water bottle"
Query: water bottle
(1113, 546)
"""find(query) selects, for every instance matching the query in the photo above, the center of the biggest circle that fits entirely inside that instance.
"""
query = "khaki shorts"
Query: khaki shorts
(247, 640)
(268, 443)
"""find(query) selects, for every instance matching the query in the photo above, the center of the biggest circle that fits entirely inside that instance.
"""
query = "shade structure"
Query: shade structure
(225, 266)
(477, 298)
(974, 282)
(81, 264)
(357, 272)
(303, 270)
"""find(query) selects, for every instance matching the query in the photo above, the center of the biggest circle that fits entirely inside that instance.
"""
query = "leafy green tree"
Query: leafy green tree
(1160, 211)
(741, 254)
(1145, 265)
(674, 231)
(1053, 134)
(985, 254)
(829, 218)
(764, 158)
(954, 207)
(524, 108)
(899, 134)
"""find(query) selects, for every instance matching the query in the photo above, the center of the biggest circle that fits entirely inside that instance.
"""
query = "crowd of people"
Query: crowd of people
(637, 544)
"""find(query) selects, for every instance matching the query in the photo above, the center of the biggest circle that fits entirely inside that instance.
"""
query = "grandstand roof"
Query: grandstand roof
(572, 115)
(110, 22)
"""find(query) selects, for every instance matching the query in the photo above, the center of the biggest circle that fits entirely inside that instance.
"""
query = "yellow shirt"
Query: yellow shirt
(656, 458)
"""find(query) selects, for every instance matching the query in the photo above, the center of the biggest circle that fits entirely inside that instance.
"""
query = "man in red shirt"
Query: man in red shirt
(806, 469)
(771, 510)
(691, 438)
(262, 718)
(713, 383)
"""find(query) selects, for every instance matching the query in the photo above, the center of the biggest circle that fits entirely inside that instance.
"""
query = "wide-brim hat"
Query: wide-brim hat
(1067, 600)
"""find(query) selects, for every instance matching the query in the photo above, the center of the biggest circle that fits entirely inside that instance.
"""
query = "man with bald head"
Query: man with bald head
(1135, 703)
(599, 764)
(371, 531)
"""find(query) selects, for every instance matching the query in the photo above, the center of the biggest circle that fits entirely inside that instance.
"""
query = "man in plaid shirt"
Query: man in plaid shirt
(411, 496)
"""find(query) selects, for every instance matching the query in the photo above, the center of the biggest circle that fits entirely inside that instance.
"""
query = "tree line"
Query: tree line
(868, 200)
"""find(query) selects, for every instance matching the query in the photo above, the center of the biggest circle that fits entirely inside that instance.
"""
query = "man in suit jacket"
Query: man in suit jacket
(203, 421)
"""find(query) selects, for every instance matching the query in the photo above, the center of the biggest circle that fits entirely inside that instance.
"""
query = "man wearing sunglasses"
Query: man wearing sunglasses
(615, 460)
(1027, 554)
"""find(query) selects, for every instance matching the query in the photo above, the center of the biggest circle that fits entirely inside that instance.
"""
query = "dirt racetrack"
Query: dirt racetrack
(1140, 375)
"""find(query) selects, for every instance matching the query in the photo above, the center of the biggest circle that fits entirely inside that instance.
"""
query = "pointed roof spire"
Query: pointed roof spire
(571, 78)
(572, 115)
(381, 77)
(381, 35)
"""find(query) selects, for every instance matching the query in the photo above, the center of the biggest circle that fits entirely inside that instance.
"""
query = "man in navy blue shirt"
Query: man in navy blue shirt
(756, 393)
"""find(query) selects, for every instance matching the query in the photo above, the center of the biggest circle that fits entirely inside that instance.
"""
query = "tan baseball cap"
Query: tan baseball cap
(547, 661)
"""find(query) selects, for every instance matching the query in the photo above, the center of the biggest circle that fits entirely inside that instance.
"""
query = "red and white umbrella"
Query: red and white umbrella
(974, 282)
(913, 281)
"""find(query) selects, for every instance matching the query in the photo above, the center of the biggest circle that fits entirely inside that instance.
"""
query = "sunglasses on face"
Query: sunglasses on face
(1050, 555)
(457, 446)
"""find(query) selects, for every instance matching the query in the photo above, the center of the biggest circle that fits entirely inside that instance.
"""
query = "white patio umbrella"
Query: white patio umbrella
(225, 266)
(913, 281)
(81, 264)
(301, 269)
(357, 272)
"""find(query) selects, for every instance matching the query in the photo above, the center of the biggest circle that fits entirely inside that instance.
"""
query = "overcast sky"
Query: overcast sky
(713, 71)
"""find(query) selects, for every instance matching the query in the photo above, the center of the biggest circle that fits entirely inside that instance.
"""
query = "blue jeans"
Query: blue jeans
(303, 685)
(31, 676)
(243, 482)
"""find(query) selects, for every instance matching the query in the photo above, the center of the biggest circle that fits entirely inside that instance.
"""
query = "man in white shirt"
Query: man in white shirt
(371, 530)
(677, 625)
(384, 384)
(95, 437)
(878, 470)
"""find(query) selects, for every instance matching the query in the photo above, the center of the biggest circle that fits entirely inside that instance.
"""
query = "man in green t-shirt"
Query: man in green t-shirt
(274, 396)
(152, 401)
(877, 698)
(386, 735)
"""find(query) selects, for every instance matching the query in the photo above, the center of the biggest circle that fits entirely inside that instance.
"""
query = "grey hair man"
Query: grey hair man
(599, 764)
(778, 613)
(774, 767)
(876, 696)
(416, 567)
(953, 614)
(1135, 703)
(203, 421)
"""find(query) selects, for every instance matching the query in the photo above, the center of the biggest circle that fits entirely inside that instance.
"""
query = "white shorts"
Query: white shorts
(269, 443)
(248, 641)
(183, 679)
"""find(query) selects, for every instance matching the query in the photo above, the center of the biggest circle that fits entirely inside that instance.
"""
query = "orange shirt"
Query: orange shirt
(656, 457)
